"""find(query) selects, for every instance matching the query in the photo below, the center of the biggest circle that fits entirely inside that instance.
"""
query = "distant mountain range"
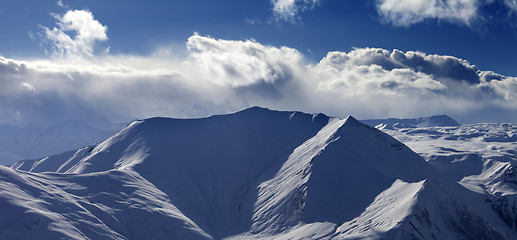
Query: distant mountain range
(254, 174)
(391, 123)
(32, 142)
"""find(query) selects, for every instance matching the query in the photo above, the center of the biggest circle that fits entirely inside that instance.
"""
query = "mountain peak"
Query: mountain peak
(351, 121)
(254, 109)
(438, 121)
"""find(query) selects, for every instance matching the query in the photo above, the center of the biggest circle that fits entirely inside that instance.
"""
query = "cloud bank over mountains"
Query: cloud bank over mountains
(219, 76)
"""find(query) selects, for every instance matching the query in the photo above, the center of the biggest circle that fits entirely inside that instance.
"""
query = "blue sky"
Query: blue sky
(263, 52)
(138, 27)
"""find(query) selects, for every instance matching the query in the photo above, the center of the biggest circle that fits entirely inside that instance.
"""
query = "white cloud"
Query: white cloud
(288, 10)
(404, 12)
(512, 4)
(241, 63)
(221, 76)
(407, 12)
(61, 4)
(76, 33)
(252, 21)
(28, 86)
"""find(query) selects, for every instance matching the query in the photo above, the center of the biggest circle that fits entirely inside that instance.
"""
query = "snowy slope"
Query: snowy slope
(32, 142)
(104, 205)
(481, 157)
(253, 174)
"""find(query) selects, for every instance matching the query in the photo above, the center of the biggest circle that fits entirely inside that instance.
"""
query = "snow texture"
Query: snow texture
(481, 157)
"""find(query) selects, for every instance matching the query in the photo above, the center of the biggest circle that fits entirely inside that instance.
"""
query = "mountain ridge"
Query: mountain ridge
(393, 123)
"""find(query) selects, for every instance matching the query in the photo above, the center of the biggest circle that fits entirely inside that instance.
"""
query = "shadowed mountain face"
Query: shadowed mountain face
(253, 174)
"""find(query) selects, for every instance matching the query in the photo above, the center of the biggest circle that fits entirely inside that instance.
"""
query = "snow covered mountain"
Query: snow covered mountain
(481, 157)
(254, 174)
(391, 123)
(31, 142)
